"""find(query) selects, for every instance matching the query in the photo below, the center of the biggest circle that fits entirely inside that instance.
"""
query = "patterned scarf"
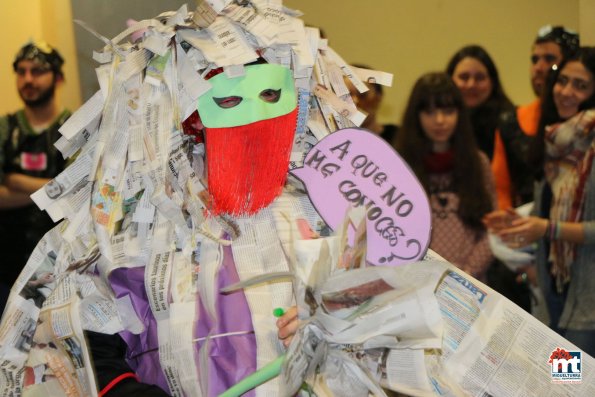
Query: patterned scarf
(570, 148)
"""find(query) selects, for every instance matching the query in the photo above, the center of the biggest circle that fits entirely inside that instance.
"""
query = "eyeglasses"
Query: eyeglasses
(36, 71)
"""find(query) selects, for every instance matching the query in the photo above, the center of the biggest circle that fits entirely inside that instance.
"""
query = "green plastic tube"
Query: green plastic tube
(264, 374)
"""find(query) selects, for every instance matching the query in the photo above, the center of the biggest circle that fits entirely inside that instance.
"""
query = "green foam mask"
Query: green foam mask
(264, 92)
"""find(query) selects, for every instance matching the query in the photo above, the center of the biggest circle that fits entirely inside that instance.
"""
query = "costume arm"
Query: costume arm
(114, 377)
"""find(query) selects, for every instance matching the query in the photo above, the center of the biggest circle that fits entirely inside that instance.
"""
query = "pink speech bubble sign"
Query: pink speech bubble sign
(353, 167)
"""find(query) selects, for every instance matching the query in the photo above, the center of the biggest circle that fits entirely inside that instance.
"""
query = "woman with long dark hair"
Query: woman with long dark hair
(437, 142)
(475, 74)
(563, 223)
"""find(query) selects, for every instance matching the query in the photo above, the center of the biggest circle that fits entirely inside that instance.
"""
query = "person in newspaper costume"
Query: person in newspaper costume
(144, 247)
(165, 206)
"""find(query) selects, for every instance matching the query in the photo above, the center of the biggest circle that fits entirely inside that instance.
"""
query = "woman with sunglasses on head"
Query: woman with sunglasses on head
(437, 142)
(563, 223)
(552, 45)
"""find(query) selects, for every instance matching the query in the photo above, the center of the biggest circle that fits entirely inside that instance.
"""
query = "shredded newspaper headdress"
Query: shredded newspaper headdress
(43, 54)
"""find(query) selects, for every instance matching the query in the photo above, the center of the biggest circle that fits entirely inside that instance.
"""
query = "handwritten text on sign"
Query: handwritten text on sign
(353, 167)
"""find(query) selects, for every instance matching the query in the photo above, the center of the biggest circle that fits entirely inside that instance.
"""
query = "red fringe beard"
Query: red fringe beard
(247, 165)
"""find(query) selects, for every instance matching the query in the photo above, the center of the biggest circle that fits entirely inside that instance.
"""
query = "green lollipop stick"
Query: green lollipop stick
(267, 372)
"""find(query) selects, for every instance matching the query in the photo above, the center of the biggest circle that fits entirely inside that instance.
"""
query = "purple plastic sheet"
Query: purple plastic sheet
(231, 358)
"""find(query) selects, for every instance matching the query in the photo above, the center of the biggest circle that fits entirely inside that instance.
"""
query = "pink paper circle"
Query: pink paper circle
(354, 167)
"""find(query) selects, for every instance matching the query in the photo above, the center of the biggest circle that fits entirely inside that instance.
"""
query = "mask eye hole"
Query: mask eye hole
(228, 101)
(269, 95)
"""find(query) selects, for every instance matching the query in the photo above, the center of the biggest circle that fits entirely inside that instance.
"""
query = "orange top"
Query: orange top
(528, 117)
(501, 174)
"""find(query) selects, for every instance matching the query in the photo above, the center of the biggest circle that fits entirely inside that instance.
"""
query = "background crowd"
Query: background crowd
(479, 156)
